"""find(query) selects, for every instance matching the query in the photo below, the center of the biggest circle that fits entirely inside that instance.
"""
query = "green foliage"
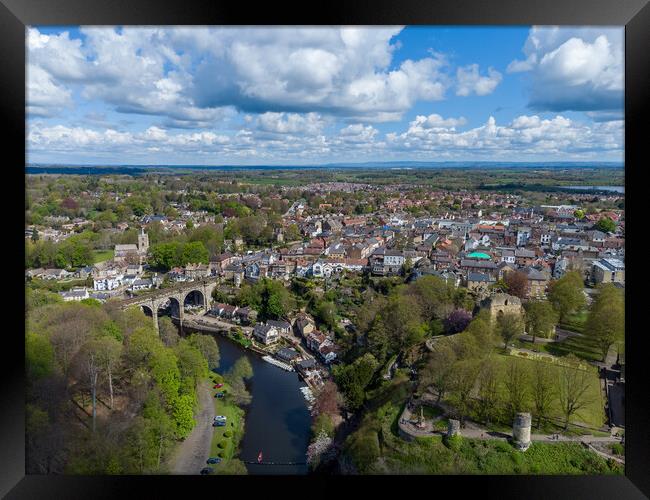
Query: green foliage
(182, 412)
(566, 294)
(606, 320)
(39, 356)
(194, 252)
(606, 225)
(354, 378)
(208, 348)
(541, 318)
(323, 423)
(269, 297)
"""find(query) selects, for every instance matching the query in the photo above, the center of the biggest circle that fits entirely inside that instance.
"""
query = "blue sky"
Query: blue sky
(223, 95)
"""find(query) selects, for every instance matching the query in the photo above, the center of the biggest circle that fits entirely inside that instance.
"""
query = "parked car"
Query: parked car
(217, 386)
(207, 470)
(218, 423)
(214, 460)
(220, 417)
(219, 395)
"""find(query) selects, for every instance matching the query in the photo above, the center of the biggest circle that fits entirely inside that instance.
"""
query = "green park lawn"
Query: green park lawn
(575, 322)
(102, 255)
(225, 440)
(583, 347)
(593, 415)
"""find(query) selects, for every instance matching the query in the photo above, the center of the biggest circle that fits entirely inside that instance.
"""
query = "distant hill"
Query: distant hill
(37, 168)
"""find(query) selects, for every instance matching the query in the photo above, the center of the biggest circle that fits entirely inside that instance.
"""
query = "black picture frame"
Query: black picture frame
(633, 14)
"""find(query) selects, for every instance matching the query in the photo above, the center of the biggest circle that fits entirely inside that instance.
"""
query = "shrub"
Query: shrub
(502, 446)
(227, 434)
(221, 444)
(453, 442)
(618, 449)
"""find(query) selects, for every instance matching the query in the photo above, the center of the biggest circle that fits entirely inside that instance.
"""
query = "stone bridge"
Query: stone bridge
(196, 293)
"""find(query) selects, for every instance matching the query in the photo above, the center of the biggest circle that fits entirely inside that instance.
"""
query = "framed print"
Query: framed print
(381, 244)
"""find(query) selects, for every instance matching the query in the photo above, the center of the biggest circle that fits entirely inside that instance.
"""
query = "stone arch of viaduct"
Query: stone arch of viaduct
(159, 298)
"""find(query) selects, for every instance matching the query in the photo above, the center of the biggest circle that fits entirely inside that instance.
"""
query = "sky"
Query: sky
(314, 95)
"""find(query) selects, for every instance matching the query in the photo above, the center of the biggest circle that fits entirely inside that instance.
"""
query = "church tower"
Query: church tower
(143, 241)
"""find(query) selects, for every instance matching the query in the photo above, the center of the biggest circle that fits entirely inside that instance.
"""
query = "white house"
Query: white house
(266, 334)
(75, 294)
(108, 283)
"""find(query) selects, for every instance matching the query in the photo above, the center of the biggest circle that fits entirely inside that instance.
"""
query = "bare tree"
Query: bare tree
(516, 382)
(88, 366)
(465, 373)
(488, 389)
(438, 370)
(573, 391)
(109, 351)
(543, 390)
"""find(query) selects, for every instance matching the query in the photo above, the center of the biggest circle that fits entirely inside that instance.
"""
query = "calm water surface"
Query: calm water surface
(277, 420)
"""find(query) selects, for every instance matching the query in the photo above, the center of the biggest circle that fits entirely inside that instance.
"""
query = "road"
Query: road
(191, 455)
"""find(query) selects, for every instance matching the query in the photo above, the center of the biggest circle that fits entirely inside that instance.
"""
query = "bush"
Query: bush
(502, 446)
(453, 442)
(618, 449)
(221, 444)
(227, 434)
(221, 454)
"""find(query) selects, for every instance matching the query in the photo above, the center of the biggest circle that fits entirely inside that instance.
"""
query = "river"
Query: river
(613, 189)
(277, 420)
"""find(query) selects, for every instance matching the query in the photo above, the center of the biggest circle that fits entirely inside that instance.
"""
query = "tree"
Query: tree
(606, 225)
(183, 414)
(208, 348)
(517, 283)
(168, 331)
(542, 389)
(242, 369)
(194, 252)
(516, 383)
(39, 356)
(566, 294)
(540, 317)
(573, 390)
(354, 378)
(488, 389)
(438, 370)
(579, 214)
(377, 339)
(327, 400)
(109, 351)
(457, 321)
(464, 375)
(191, 362)
(606, 320)
(509, 325)
(89, 367)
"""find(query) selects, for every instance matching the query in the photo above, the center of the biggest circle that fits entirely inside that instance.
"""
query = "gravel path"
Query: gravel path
(191, 455)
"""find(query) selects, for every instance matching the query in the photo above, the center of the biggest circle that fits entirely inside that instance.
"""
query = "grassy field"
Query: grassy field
(225, 440)
(376, 449)
(102, 255)
(582, 347)
(593, 415)
(575, 322)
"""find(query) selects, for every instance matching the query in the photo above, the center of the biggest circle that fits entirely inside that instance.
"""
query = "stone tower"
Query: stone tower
(143, 241)
(502, 303)
(521, 431)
